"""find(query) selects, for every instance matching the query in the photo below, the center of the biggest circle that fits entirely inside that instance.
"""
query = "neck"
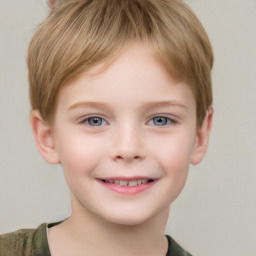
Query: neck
(97, 236)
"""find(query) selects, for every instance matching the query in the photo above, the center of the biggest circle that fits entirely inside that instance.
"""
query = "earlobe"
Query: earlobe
(202, 138)
(44, 138)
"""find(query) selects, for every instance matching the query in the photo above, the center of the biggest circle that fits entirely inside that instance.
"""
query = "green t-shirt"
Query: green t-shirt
(33, 242)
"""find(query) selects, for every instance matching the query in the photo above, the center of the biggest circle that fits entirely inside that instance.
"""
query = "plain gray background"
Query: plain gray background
(216, 212)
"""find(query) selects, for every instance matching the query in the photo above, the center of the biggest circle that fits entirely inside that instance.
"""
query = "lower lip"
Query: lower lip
(128, 190)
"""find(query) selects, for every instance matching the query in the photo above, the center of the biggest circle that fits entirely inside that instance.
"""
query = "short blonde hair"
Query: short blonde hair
(83, 33)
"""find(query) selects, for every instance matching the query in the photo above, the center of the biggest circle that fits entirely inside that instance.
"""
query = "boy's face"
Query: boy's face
(134, 123)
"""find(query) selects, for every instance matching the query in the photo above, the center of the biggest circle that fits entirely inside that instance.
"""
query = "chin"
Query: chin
(128, 219)
(128, 222)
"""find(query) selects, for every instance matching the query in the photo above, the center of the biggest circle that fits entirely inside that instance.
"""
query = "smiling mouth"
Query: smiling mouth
(128, 183)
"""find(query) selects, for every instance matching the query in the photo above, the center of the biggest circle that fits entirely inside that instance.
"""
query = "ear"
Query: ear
(44, 138)
(202, 138)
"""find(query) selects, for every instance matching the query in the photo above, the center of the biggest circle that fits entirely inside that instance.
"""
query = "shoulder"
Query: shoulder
(25, 242)
(175, 249)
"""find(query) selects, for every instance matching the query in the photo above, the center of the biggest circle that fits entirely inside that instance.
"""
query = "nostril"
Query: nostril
(126, 153)
(128, 157)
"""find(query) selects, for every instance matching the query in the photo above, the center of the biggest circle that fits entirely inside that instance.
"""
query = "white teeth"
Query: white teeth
(133, 183)
(123, 183)
(130, 183)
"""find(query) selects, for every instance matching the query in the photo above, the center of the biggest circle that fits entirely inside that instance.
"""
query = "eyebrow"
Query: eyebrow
(166, 103)
(84, 104)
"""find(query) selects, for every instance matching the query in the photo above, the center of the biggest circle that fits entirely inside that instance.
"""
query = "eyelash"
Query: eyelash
(93, 118)
(167, 121)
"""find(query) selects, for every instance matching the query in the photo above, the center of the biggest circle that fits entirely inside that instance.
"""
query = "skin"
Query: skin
(145, 127)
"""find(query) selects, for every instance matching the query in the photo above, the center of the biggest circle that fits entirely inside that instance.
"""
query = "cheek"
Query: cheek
(79, 154)
(174, 158)
(175, 164)
(176, 151)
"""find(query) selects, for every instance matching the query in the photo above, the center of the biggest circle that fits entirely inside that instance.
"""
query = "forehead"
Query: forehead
(136, 75)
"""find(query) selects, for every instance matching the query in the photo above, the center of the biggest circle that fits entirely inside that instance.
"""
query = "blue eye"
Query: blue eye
(160, 121)
(95, 121)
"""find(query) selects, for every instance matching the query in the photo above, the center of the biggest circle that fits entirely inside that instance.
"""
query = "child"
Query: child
(121, 98)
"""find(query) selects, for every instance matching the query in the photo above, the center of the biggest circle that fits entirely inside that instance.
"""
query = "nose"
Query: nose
(128, 145)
